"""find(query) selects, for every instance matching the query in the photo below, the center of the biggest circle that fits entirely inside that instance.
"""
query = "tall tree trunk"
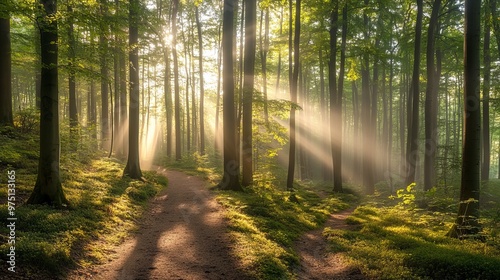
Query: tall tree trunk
(413, 113)
(248, 88)
(366, 109)
(278, 71)
(202, 83)
(103, 49)
(177, 100)
(230, 179)
(337, 156)
(293, 95)
(167, 87)
(133, 168)
(431, 102)
(5, 67)
(264, 49)
(485, 166)
(468, 213)
(73, 113)
(48, 187)
(335, 114)
(123, 101)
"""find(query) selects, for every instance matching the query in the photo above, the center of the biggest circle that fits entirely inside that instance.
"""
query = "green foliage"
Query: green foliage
(265, 224)
(403, 243)
(104, 209)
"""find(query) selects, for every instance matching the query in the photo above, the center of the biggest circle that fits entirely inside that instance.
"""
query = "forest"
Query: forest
(246, 139)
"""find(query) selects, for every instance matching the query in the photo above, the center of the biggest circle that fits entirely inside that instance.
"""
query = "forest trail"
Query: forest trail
(183, 235)
(316, 261)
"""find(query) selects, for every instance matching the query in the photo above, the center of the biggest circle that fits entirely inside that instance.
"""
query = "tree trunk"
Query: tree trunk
(103, 49)
(467, 222)
(48, 188)
(485, 166)
(248, 88)
(177, 100)
(73, 113)
(335, 110)
(366, 109)
(431, 102)
(133, 168)
(202, 85)
(264, 48)
(293, 95)
(5, 67)
(230, 180)
(412, 153)
(337, 157)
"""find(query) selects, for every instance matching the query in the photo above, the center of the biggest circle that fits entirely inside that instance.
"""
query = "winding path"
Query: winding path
(183, 235)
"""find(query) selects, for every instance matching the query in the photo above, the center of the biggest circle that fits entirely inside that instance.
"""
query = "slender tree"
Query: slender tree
(248, 88)
(335, 110)
(293, 96)
(413, 99)
(5, 66)
(230, 179)
(103, 49)
(485, 166)
(48, 187)
(366, 109)
(177, 99)
(73, 112)
(431, 102)
(202, 82)
(133, 168)
(467, 222)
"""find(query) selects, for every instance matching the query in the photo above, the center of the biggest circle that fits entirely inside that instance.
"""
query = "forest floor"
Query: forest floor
(317, 262)
(183, 235)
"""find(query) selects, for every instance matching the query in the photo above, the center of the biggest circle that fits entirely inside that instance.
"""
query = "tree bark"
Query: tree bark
(366, 109)
(5, 67)
(293, 95)
(177, 100)
(48, 187)
(202, 83)
(431, 102)
(485, 166)
(467, 222)
(413, 99)
(335, 110)
(248, 88)
(133, 168)
(103, 49)
(230, 179)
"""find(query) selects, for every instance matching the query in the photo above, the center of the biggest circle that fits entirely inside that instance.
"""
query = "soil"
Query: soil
(183, 235)
(317, 262)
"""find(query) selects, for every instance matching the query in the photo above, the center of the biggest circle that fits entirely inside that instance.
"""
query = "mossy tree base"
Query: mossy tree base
(48, 192)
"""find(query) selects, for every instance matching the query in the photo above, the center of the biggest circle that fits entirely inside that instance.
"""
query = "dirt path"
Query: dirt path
(183, 236)
(316, 261)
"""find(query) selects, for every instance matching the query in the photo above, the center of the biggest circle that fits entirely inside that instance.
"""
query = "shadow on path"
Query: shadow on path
(183, 235)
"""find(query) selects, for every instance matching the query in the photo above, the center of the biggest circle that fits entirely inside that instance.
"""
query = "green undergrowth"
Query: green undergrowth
(265, 224)
(407, 243)
(104, 208)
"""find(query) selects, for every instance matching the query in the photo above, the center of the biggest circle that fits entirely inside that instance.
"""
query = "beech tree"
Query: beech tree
(48, 187)
(230, 178)
(133, 168)
(248, 89)
(467, 222)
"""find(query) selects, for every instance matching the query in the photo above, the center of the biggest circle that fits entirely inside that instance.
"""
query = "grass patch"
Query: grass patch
(104, 209)
(265, 224)
(399, 243)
